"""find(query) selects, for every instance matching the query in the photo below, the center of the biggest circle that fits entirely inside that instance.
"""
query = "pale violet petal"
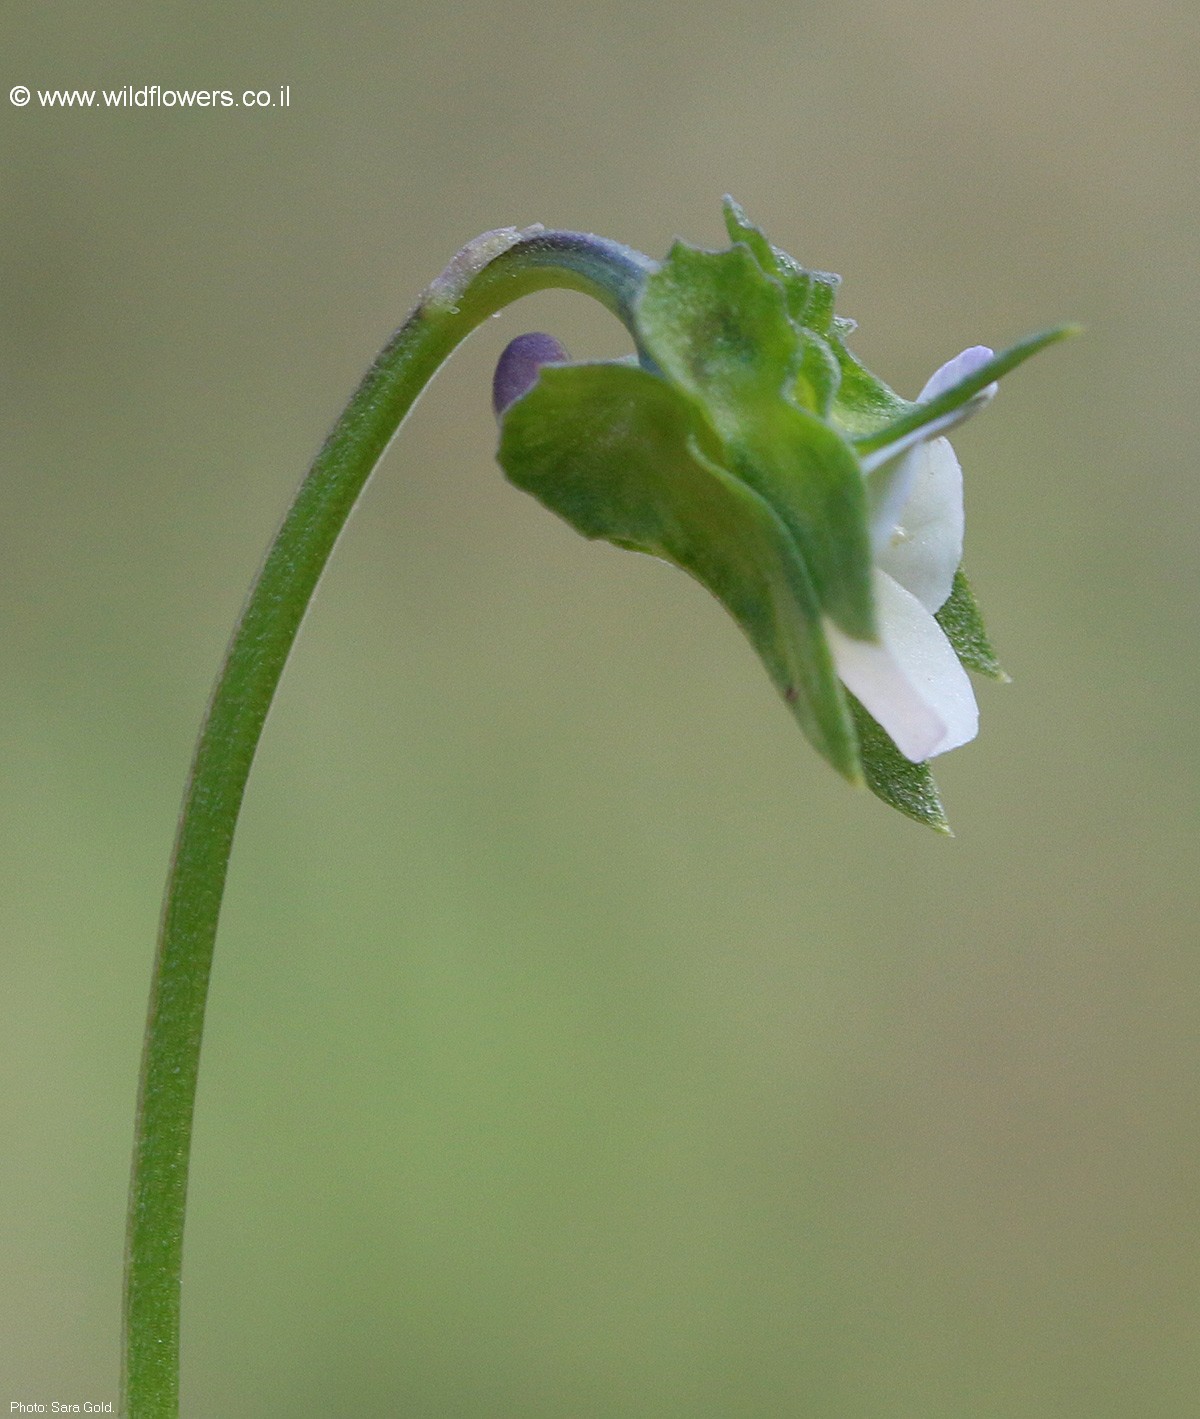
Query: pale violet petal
(951, 373)
(924, 548)
(911, 681)
(955, 371)
(869, 462)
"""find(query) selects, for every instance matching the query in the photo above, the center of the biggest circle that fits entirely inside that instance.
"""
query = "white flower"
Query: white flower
(911, 680)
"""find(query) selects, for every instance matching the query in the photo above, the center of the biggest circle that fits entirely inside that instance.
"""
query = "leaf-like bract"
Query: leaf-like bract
(616, 451)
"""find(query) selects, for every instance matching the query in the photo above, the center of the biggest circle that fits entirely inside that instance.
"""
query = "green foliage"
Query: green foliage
(734, 451)
(932, 411)
(960, 618)
(618, 453)
(809, 294)
(905, 786)
(859, 402)
(716, 325)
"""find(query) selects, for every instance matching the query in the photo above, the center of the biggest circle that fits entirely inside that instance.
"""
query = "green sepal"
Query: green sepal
(952, 399)
(617, 452)
(864, 403)
(900, 783)
(808, 299)
(809, 294)
(819, 376)
(717, 326)
(962, 622)
(860, 403)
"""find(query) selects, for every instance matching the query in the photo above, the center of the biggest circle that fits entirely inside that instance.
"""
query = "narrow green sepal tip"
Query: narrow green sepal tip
(961, 620)
(900, 783)
(949, 400)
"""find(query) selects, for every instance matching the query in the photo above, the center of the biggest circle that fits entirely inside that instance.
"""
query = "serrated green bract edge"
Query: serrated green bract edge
(962, 622)
(861, 402)
(810, 294)
(615, 451)
(717, 326)
(864, 403)
(900, 783)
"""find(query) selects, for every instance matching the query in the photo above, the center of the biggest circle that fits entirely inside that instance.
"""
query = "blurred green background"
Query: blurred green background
(579, 1046)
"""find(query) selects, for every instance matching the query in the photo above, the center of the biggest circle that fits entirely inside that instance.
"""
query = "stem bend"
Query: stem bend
(488, 274)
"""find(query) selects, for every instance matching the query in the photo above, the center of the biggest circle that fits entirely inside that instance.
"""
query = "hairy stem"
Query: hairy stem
(485, 276)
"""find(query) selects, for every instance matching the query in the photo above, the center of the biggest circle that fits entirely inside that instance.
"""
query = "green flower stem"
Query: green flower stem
(487, 275)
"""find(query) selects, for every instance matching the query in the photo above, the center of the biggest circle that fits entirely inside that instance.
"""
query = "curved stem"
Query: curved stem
(486, 275)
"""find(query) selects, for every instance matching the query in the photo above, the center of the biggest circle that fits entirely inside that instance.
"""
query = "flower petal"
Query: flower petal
(924, 548)
(889, 486)
(955, 371)
(911, 681)
(951, 373)
(878, 459)
(522, 359)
